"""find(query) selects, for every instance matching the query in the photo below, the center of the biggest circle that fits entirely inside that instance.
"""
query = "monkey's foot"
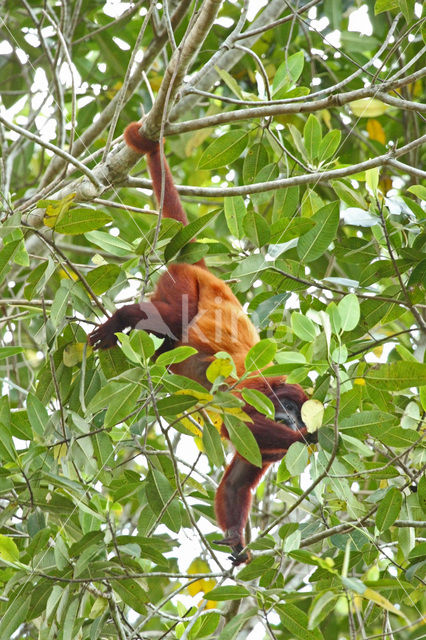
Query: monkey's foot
(235, 542)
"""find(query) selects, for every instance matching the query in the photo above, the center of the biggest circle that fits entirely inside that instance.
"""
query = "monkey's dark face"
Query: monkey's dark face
(288, 412)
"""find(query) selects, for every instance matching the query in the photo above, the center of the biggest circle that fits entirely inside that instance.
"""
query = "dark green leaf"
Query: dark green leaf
(186, 234)
(231, 592)
(224, 150)
(77, 221)
(243, 439)
(235, 211)
(316, 241)
(389, 509)
(261, 354)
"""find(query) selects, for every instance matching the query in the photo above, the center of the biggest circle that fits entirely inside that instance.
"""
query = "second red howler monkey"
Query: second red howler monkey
(191, 306)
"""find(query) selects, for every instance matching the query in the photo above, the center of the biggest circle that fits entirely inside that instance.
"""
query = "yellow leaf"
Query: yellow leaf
(312, 414)
(55, 209)
(60, 451)
(326, 116)
(73, 353)
(114, 89)
(368, 108)
(202, 397)
(378, 351)
(378, 599)
(219, 367)
(67, 276)
(189, 424)
(216, 419)
(385, 184)
(204, 584)
(360, 382)
(376, 131)
(238, 413)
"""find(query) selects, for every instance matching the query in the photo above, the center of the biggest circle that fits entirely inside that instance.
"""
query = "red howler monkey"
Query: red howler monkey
(192, 306)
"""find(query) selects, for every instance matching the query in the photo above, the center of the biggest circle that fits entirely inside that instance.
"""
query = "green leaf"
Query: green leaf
(286, 203)
(224, 150)
(407, 8)
(385, 5)
(7, 255)
(329, 145)
(59, 306)
(260, 355)
(179, 354)
(243, 439)
(349, 311)
(389, 509)
(186, 234)
(315, 242)
(260, 402)
(421, 490)
(312, 136)
(37, 414)
(159, 493)
(288, 72)
(284, 230)
(69, 633)
(235, 212)
(111, 244)
(233, 627)
(76, 221)
(340, 354)
(122, 405)
(297, 458)
(351, 197)
(14, 615)
(256, 568)
(303, 327)
(7, 352)
(372, 179)
(256, 158)
(131, 593)
(296, 621)
(8, 549)
(395, 437)
(398, 375)
(230, 592)
(142, 344)
(175, 404)
(362, 423)
(256, 228)
(230, 82)
(419, 190)
(102, 278)
(213, 444)
(248, 270)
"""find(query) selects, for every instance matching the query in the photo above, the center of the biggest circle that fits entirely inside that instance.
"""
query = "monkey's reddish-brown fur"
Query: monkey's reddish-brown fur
(192, 306)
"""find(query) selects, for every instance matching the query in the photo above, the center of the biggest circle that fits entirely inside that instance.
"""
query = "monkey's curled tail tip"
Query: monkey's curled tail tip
(137, 142)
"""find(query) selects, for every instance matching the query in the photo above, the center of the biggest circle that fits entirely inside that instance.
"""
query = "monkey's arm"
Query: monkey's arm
(152, 317)
(232, 504)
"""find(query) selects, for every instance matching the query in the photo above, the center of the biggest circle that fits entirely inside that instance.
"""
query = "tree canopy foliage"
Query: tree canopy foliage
(295, 138)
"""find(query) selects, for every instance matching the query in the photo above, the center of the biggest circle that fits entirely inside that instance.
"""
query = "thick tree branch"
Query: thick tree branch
(179, 64)
(283, 183)
(337, 100)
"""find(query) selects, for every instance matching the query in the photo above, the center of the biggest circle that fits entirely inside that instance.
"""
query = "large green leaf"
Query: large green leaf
(315, 242)
(77, 221)
(186, 234)
(243, 439)
(224, 150)
(397, 375)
